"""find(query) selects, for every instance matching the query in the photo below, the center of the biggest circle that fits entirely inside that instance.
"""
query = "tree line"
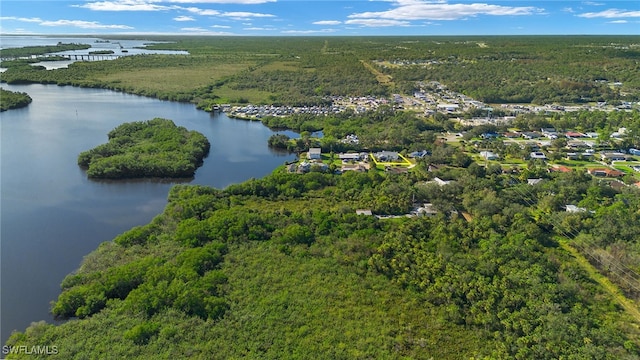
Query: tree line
(13, 100)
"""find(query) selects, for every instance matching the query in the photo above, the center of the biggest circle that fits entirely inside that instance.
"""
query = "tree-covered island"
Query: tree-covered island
(153, 148)
(13, 100)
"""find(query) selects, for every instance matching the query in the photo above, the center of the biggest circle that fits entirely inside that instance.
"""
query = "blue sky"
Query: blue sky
(327, 17)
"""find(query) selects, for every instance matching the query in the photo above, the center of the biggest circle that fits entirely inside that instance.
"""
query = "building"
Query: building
(488, 155)
(534, 181)
(530, 135)
(538, 155)
(613, 156)
(347, 157)
(559, 168)
(573, 135)
(574, 209)
(419, 154)
(427, 210)
(634, 152)
(314, 154)
(387, 156)
(605, 172)
(355, 167)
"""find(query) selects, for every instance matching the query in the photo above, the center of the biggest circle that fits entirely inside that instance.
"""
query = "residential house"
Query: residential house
(613, 156)
(572, 156)
(355, 167)
(396, 170)
(534, 181)
(427, 210)
(618, 134)
(488, 136)
(573, 135)
(304, 167)
(347, 157)
(364, 212)
(419, 154)
(605, 172)
(574, 209)
(559, 168)
(488, 155)
(511, 135)
(386, 156)
(441, 182)
(530, 135)
(576, 144)
(314, 154)
(550, 133)
(538, 155)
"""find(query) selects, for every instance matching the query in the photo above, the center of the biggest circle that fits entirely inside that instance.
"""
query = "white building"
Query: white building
(314, 154)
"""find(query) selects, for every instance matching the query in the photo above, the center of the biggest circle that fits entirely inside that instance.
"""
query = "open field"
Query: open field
(304, 70)
(173, 78)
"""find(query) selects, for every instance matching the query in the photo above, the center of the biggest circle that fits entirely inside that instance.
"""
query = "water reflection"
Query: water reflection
(52, 215)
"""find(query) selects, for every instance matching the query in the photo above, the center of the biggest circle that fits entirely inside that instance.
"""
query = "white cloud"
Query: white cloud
(592, 3)
(422, 10)
(258, 29)
(611, 13)
(151, 5)
(327, 22)
(618, 22)
(73, 23)
(33, 20)
(245, 2)
(83, 24)
(194, 29)
(303, 32)
(184, 18)
(245, 14)
(123, 5)
(203, 31)
(203, 12)
(377, 22)
(220, 26)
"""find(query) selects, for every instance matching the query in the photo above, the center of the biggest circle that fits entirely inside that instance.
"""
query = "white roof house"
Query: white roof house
(488, 155)
(314, 153)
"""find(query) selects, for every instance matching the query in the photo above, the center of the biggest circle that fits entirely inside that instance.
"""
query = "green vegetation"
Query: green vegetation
(282, 266)
(101, 52)
(153, 148)
(40, 50)
(304, 71)
(13, 100)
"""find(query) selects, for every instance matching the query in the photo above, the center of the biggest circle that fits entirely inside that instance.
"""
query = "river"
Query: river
(52, 215)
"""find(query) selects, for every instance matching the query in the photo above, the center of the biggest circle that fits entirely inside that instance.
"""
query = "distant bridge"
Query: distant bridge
(77, 57)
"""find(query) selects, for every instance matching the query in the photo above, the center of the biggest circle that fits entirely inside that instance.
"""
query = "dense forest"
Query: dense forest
(13, 100)
(283, 265)
(304, 71)
(153, 148)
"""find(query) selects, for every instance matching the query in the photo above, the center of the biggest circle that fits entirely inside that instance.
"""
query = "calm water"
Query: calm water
(132, 47)
(52, 215)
